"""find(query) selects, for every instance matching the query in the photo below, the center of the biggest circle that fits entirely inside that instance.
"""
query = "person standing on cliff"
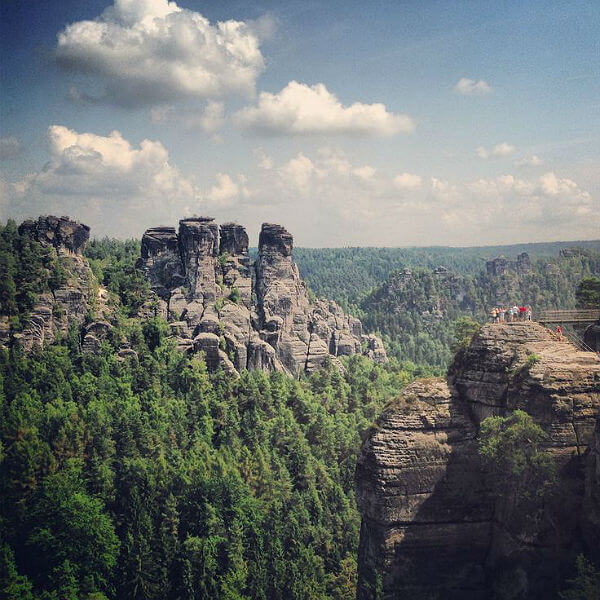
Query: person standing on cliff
(501, 314)
(494, 315)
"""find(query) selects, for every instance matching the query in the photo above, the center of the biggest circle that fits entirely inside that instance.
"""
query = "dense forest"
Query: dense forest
(151, 478)
(348, 274)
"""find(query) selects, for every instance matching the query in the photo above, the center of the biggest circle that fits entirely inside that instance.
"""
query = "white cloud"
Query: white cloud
(323, 197)
(530, 161)
(151, 51)
(407, 181)
(366, 172)
(103, 179)
(499, 150)
(470, 87)
(298, 171)
(224, 191)
(10, 147)
(300, 109)
(547, 205)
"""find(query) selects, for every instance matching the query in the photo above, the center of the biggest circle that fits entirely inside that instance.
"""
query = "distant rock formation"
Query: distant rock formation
(501, 266)
(429, 523)
(243, 315)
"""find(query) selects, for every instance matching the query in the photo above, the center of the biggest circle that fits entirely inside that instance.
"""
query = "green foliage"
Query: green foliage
(235, 295)
(511, 448)
(532, 360)
(26, 269)
(522, 475)
(223, 258)
(151, 479)
(113, 264)
(586, 583)
(588, 293)
(464, 330)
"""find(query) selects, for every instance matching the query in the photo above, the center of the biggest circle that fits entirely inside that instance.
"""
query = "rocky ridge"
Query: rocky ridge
(55, 311)
(430, 525)
(243, 315)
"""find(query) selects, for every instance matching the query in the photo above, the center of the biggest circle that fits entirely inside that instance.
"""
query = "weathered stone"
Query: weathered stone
(234, 240)
(430, 525)
(62, 233)
(199, 245)
(161, 260)
(221, 294)
(94, 334)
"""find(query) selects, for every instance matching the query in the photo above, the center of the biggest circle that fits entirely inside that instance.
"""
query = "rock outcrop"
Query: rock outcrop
(55, 311)
(430, 525)
(500, 266)
(64, 234)
(243, 315)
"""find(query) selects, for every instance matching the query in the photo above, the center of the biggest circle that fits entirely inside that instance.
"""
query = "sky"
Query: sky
(383, 123)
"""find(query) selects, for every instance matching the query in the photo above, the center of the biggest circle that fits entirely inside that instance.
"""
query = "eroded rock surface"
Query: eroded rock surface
(430, 526)
(243, 315)
(54, 312)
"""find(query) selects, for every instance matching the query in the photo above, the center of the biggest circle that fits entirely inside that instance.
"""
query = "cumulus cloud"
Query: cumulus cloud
(470, 87)
(86, 163)
(530, 161)
(151, 51)
(546, 204)
(102, 178)
(323, 197)
(300, 109)
(224, 191)
(499, 150)
(407, 181)
(10, 147)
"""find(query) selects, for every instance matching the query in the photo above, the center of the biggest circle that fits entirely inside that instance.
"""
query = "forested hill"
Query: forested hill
(413, 297)
(348, 274)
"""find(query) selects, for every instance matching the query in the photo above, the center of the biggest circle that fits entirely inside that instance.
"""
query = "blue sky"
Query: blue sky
(511, 154)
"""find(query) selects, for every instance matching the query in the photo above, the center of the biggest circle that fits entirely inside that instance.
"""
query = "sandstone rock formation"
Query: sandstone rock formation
(245, 316)
(430, 525)
(501, 265)
(54, 312)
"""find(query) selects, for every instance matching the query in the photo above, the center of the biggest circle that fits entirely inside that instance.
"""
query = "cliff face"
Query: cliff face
(245, 316)
(430, 525)
(55, 311)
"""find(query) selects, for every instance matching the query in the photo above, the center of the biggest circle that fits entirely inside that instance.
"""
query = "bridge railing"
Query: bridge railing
(587, 315)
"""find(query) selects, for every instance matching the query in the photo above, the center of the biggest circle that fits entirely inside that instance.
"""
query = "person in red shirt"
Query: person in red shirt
(522, 311)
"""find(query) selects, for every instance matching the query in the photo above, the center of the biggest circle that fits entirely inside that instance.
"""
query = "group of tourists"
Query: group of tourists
(501, 314)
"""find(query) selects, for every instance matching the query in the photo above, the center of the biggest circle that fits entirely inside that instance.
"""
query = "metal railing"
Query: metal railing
(588, 315)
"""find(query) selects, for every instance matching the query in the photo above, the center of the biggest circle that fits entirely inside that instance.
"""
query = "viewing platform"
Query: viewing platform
(571, 317)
